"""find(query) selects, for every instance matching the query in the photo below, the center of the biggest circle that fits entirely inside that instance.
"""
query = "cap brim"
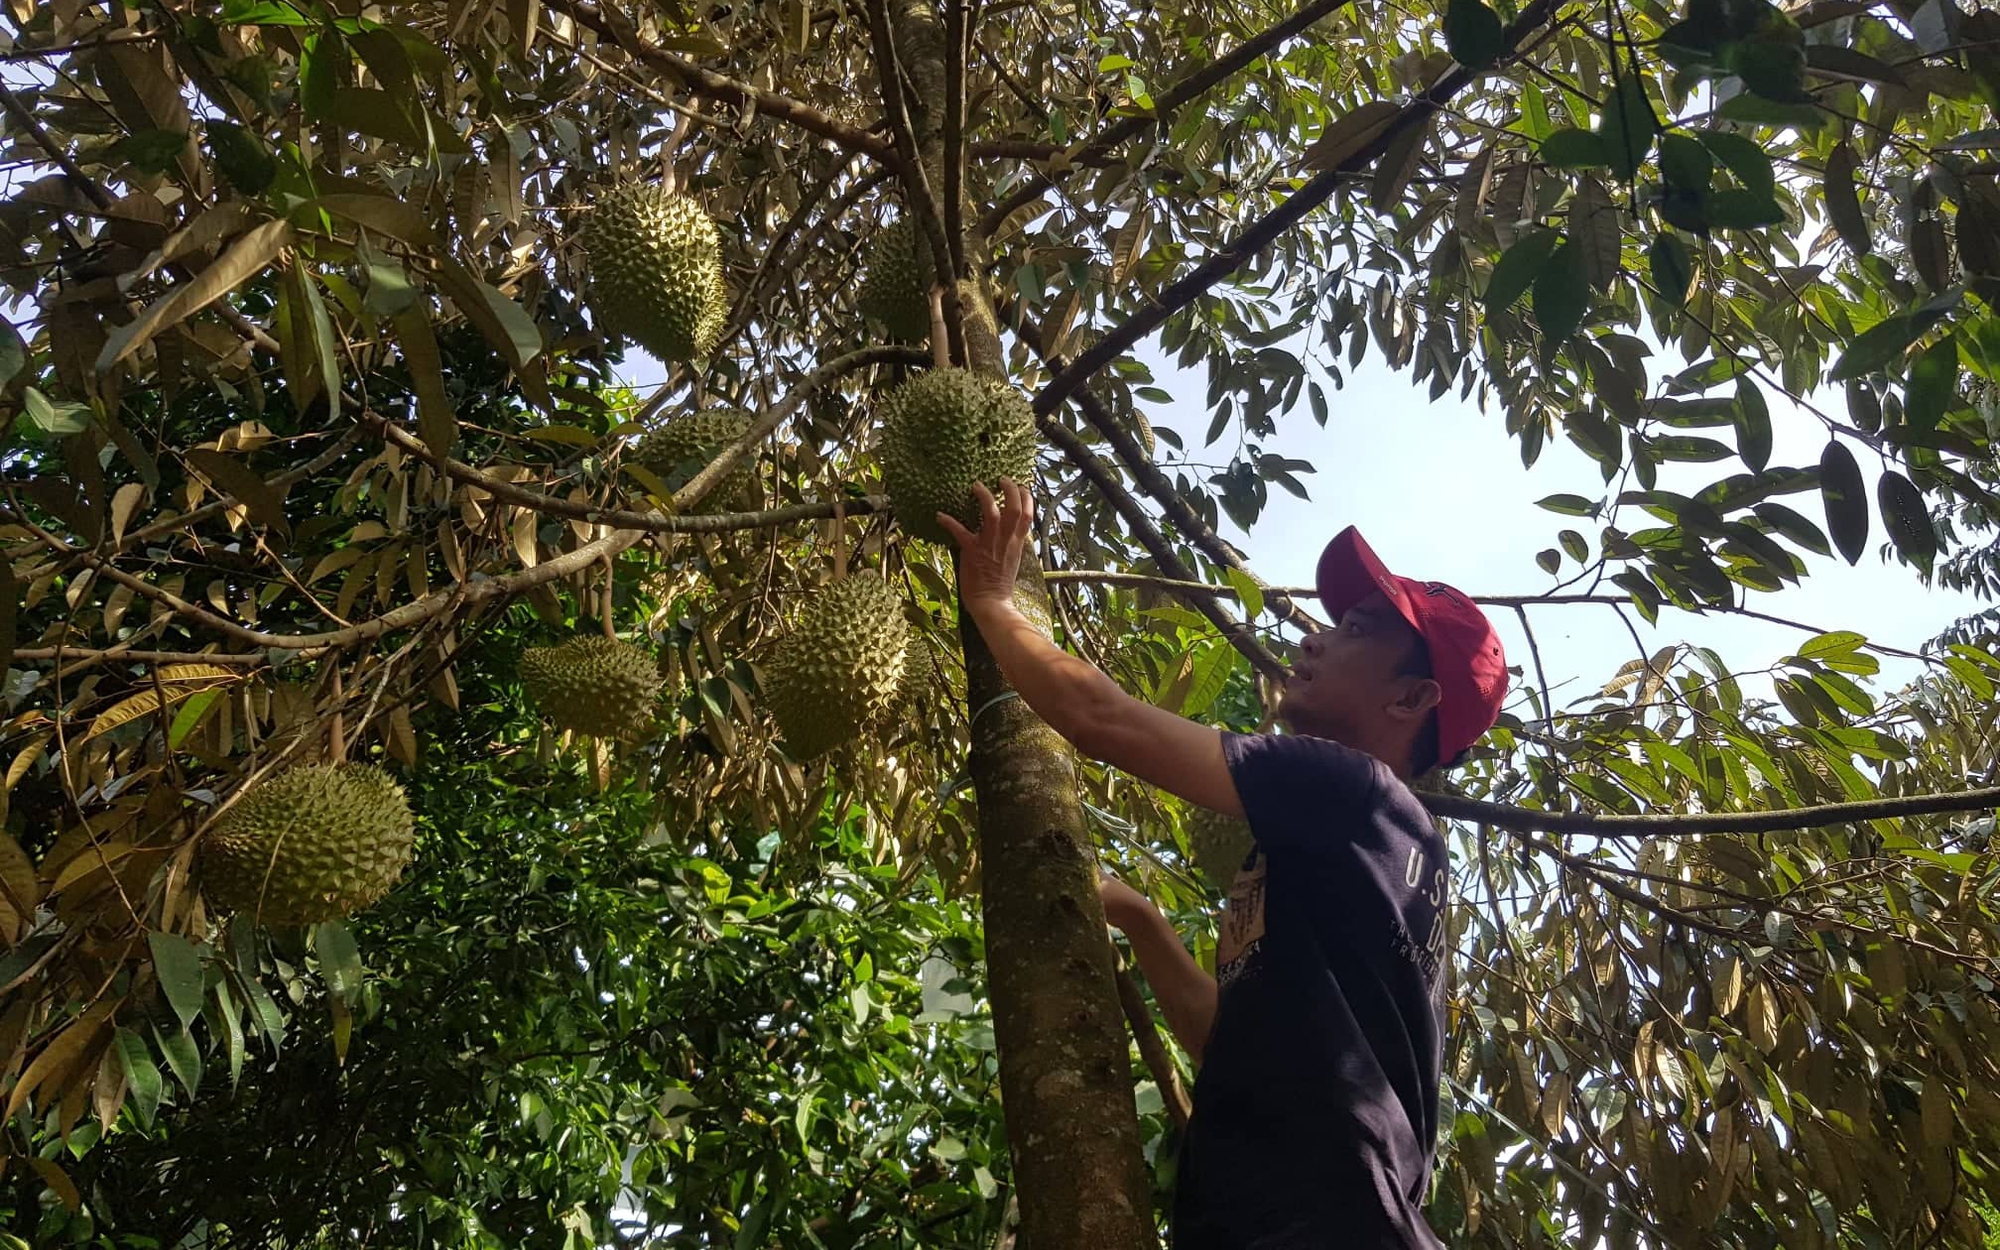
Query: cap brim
(1350, 571)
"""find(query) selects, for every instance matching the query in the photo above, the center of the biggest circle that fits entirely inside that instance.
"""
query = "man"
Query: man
(1320, 1039)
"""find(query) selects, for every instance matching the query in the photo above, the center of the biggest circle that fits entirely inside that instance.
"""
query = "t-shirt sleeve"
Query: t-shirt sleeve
(1295, 789)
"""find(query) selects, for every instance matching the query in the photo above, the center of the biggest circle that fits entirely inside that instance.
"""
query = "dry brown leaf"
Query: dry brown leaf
(175, 682)
(246, 257)
(1346, 136)
(60, 1055)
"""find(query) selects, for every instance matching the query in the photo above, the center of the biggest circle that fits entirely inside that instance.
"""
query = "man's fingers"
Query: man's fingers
(959, 534)
(989, 508)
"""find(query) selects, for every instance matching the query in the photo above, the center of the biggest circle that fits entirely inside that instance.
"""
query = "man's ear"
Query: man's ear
(1418, 698)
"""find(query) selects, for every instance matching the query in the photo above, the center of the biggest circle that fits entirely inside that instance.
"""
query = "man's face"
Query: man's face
(1345, 684)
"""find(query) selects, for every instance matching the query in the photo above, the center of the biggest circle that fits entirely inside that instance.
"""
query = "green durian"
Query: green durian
(691, 441)
(656, 271)
(839, 666)
(896, 275)
(315, 843)
(942, 431)
(594, 685)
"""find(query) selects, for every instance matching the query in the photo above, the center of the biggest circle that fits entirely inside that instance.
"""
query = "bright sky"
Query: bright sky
(1439, 492)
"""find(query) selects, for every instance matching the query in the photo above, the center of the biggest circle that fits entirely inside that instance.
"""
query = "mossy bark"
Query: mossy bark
(1065, 1074)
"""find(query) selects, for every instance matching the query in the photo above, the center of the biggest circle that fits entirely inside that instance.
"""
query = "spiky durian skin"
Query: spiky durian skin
(1218, 844)
(944, 430)
(896, 282)
(839, 666)
(596, 686)
(656, 271)
(316, 843)
(698, 436)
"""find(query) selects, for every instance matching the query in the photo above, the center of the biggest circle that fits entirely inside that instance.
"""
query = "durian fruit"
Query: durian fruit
(1219, 844)
(838, 666)
(315, 843)
(698, 437)
(896, 278)
(593, 685)
(920, 674)
(944, 430)
(656, 270)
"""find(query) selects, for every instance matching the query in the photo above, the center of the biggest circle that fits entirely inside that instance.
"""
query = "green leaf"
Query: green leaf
(1773, 68)
(1673, 271)
(1628, 127)
(1793, 527)
(1516, 269)
(1846, 499)
(1742, 210)
(142, 1075)
(1473, 33)
(1843, 200)
(1210, 679)
(389, 291)
(1247, 590)
(152, 152)
(182, 1058)
(436, 418)
(231, 1031)
(13, 353)
(1763, 112)
(1569, 148)
(1876, 347)
(1743, 157)
(1907, 519)
(242, 157)
(177, 963)
(1562, 294)
(1837, 642)
(56, 420)
(1864, 407)
(339, 960)
(1685, 163)
(1550, 560)
(1567, 505)
(189, 715)
(322, 63)
(1932, 385)
(1753, 425)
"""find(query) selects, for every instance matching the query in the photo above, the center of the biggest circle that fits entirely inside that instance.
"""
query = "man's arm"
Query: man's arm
(1079, 702)
(1187, 995)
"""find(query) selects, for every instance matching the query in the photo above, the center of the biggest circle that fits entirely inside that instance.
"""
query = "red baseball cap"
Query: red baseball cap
(1466, 659)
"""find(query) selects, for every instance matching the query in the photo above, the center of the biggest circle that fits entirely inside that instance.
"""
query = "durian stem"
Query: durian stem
(839, 542)
(336, 736)
(605, 615)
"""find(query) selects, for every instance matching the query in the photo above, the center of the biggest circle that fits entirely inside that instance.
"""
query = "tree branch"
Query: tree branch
(1125, 445)
(1165, 105)
(615, 26)
(1191, 588)
(1260, 233)
(918, 195)
(1146, 1033)
(1681, 824)
(464, 593)
(1106, 480)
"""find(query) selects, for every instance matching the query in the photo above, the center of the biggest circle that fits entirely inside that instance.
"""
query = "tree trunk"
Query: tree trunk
(1065, 1074)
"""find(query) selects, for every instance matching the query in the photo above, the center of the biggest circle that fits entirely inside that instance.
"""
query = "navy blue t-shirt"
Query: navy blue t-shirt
(1317, 1104)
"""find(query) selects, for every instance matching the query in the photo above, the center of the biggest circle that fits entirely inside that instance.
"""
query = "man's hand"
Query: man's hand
(1125, 909)
(989, 559)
